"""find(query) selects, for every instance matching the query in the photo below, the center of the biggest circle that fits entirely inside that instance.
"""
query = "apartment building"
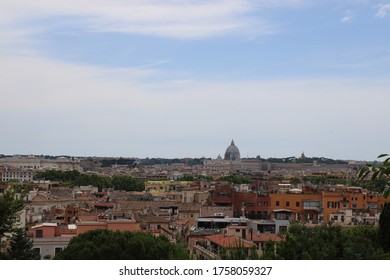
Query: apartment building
(8, 173)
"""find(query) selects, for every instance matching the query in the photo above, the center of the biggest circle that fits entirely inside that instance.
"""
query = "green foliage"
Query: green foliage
(9, 212)
(329, 242)
(75, 178)
(293, 159)
(121, 245)
(269, 251)
(21, 247)
(121, 161)
(360, 243)
(238, 253)
(128, 183)
(384, 228)
(203, 178)
(378, 173)
(236, 179)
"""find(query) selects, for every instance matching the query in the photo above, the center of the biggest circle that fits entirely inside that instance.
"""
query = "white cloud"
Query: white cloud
(383, 10)
(67, 108)
(179, 19)
(349, 15)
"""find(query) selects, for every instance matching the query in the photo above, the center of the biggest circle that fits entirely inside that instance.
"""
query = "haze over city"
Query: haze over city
(182, 78)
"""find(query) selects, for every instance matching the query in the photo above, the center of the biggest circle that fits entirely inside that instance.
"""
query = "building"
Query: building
(231, 163)
(213, 246)
(8, 173)
(251, 205)
(39, 162)
(296, 206)
(49, 238)
(232, 152)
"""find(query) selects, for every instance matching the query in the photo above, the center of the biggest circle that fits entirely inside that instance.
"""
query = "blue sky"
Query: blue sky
(182, 78)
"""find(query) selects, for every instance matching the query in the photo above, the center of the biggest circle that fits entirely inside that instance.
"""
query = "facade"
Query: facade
(49, 239)
(251, 205)
(39, 163)
(296, 206)
(12, 173)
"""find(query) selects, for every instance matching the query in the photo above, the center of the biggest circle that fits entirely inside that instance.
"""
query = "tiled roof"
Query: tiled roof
(229, 241)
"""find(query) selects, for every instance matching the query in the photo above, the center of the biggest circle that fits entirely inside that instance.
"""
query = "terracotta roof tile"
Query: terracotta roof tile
(229, 241)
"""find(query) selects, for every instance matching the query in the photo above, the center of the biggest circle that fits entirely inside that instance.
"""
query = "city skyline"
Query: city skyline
(163, 79)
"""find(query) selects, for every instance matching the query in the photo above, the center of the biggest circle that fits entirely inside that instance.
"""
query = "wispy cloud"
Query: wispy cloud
(64, 101)
(171, 18)
(349, 15)
(383, 10)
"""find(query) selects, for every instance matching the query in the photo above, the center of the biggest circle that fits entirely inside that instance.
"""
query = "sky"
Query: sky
(182, 78)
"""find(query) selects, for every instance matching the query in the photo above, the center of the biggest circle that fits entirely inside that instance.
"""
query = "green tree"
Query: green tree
(330, 242)
(121, 245)
(128, 183)
(10, 208)
(360, 243)
(378, 173)
(384, 228)
(269, 252)
(236, 179)
(21, 247)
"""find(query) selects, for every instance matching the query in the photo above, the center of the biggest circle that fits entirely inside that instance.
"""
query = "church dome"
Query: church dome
(232, 152)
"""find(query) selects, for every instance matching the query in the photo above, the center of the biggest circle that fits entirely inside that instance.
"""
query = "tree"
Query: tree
(360, 243)
(384, 228)
(319, 243)
(21, 247)
(10, 208)
(121, 245)
(269, 252)
(378, 173)
(330, 242)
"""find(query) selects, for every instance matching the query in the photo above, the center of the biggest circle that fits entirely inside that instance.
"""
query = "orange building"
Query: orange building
(350, 198)
(296, 206)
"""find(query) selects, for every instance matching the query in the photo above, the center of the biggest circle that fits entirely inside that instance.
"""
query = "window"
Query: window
(282, 228)
(277, 203)
(250, 204)
(354, 206)
(259, 203)
(39, 233)
(38, 250)
(265, 204)
(297, 204)
(312, 204)
(287, 203)
(57, 250)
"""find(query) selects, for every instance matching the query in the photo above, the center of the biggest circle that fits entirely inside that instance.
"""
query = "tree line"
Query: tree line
(121, 245)
(75, 178)
(328, 242)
